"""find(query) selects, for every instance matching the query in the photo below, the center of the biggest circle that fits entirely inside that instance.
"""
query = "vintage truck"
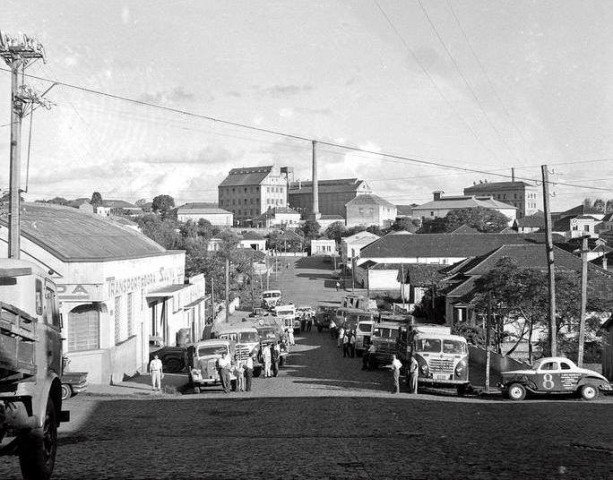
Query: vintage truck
(202, 362)
(30, 367)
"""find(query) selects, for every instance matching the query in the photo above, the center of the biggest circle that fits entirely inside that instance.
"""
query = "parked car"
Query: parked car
(553, 375)
(73, 383)
(202, 361)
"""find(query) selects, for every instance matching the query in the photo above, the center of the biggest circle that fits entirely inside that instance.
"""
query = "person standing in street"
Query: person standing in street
(345, 341)
(352, 344)
(275, 353)
(223, 366)
(368, 357)
(341, 334)
(239, 373)
(155, 368)
(396, 365)
(309, 322)
(267, 357)
(290, 336)
(338, 285)
(248, 373)
(413, 375)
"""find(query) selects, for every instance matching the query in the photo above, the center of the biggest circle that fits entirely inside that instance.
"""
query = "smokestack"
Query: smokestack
(512, 174)
(315, 186)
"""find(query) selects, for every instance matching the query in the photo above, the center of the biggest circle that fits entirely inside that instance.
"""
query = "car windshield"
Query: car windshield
(271, 295)
(248, 337)
(454, 346)
(266, 332)
(428, 345)
(391, 333)
(365, 327)
(285, 312)
(211, 350)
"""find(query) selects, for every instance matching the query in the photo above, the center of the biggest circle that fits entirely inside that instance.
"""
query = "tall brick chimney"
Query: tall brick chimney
(437, 194)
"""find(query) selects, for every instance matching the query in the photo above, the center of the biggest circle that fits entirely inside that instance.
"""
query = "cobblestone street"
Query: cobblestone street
(325, 418)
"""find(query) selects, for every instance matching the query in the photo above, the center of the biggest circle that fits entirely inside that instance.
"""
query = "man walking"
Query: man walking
(396, 365)
(267, 357)
(155, 368)
(248, 373)
(275, 353)
(223, 366)
(352, 344)
(337, 286)
(413, 375)
(345, 341)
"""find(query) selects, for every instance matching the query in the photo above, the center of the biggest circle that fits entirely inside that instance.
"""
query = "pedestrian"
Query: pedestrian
(368, 357)
(267, 357)
(413, 375)
(239, 373)
(352, 344)
(309, 323)
(338, 285)
(290, 336)
(303, 322)
(223, 367)
(339, 339)
(156, 370)
(396, 365)
(248, 373)
(345, 341)
(275, 353)
(332, 327)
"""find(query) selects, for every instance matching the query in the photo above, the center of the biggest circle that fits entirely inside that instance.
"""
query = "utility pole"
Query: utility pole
(553, 333)
(227, 290)
(402, 286)
(488, 328)
(18, 51)
(212, 300)
(584, 251)
(267, 274)
(353, 271)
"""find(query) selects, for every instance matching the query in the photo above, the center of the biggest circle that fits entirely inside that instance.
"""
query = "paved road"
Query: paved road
(325, 418)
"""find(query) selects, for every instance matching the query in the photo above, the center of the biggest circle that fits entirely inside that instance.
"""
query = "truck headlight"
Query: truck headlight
(460, 369)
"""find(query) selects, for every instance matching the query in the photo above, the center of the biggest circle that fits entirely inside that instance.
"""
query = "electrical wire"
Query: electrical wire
(401, 158)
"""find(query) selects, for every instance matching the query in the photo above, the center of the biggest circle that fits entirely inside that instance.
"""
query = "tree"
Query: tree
(141, 202)
(96, 200)
(609, 206)
(336, 231)
(58, 201)
(484, 220)
(163, 204)
(162, 231)
(599, 204)
(310, 229)
(410, 225)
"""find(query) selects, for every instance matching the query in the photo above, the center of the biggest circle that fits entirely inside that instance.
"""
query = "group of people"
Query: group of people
(346, 340)
(242, 371)
(396, 366)
(270, 356)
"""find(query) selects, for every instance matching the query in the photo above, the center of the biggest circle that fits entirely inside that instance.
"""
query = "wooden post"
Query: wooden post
(488, 327)
(15, 163)
(584, 251)
(553, 330)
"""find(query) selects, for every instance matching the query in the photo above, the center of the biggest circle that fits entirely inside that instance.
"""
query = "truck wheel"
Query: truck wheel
(588, 392)
(257, 371)
(462, 390)
(37, 448)
(516, 392)
(66, 391)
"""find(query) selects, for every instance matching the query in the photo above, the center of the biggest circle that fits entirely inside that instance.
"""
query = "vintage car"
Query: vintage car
(202, 361)
(323, 316)
(73, 383)
(553, 375)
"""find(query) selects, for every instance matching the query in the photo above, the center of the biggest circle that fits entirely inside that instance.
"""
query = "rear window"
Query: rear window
(428, 345)
(391, 333)
(285, 312)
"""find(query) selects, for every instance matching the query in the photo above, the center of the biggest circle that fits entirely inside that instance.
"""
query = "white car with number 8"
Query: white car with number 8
(551, 375)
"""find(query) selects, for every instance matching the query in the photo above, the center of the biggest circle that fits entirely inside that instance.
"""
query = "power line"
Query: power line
(402, 158)
(466, 82)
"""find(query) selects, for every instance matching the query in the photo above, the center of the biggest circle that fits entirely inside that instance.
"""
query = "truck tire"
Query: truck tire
(516, 392)
(37, 448)
(66, 391)
(588, 392)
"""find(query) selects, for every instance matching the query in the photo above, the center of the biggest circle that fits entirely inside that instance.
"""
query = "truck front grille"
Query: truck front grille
(441, 365)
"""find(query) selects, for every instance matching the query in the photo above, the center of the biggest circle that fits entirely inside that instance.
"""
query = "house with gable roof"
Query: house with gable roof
(369, 209)
(205, 211)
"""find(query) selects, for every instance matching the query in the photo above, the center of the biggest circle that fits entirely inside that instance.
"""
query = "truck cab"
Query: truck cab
(202, 361)
(246, 341)
(383, 338)
(271, 298)
(30, 367)
(287, 313)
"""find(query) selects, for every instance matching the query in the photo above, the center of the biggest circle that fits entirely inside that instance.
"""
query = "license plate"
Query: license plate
(441, 376)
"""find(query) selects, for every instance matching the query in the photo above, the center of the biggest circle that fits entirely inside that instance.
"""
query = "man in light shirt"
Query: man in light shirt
(396, 365)
(248, 373)
(155, 368)
(223, 364)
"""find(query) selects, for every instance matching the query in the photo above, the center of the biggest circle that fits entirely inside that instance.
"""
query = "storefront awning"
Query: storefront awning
(196, 302)
(166, 292)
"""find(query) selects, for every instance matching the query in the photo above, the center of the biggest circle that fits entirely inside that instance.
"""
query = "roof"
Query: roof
(458, 202)
(443, 244)
(369, 199)
(361, 237)
(598, 261)
(72, 235)
(507, 230)
(201, 209)
(422, 274)
(118, 204)
(562, 225)
(387, 266)
(463, 229)
(405, 210)
(167, 291)
(246, 176)
(579, 210)
(350, 185)
(487, 186)
(331, 217)
(533, 221)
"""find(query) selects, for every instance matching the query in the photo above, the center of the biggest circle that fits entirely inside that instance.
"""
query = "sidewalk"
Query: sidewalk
(138, 385)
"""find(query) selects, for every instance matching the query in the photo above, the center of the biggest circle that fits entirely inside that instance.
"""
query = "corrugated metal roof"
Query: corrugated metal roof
(246, 176)
(75, 236)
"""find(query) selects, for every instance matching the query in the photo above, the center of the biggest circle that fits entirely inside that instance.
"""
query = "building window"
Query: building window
(118, 320)
(129, 314)
(586, 228)
(431, 214)
(84, 328)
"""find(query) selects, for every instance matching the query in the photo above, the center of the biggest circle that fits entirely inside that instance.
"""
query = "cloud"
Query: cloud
(175, 95)
(125, 15)
(281, 91)
(234, 93)
(211, 155)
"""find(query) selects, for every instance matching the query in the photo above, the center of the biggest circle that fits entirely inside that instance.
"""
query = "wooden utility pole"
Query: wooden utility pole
(15, 165)
(227, 290)
(402, 286)
(212, 300)
(553, 330)
(488, 328)
(584, 251)
(267, 273)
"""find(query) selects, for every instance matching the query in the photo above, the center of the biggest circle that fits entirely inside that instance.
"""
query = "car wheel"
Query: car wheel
(66, 391)
(516, 392)
(37, 448)
(588, 392)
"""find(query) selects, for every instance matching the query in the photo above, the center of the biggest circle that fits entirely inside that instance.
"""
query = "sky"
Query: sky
(481, 84)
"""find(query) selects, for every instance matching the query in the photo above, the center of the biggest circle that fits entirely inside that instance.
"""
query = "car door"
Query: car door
(569, 377)
(548, 377)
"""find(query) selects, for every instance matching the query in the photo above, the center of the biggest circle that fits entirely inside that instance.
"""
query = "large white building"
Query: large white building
(205, 211)
(368, 209)
(116, 288)
(440, 206)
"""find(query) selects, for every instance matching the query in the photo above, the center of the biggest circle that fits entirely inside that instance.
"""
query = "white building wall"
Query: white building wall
(218, 219)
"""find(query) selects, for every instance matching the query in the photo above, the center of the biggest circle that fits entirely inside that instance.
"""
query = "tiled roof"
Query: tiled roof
(463, 229)
(422, 274)
(533, 221)
(506, 230)
(562, 225)
(369, 199)
(579, 210)
(246, 176)
(362, 236)
(487, 186)
(331, 217)
(326, 186)
(75, 236)
(443, 244)
(387, 266)
(200, 209)
(406, 210)
(458, 202)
